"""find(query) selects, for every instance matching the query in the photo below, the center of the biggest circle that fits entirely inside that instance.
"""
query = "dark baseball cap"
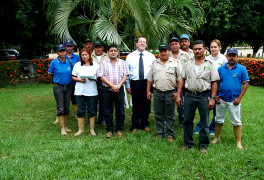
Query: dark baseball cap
(174, 39)
(69, 42)
(61, 47)
(98, 43)
(88, 40)
(164, 46)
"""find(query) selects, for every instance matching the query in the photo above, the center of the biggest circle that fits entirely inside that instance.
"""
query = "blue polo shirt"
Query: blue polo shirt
(231, 81)
(74, 58)
(61, 71)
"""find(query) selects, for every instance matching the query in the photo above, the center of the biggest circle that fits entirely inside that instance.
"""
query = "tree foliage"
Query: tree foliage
(120, 21)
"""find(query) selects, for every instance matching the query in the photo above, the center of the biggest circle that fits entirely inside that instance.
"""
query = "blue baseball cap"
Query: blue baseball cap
(61, 47)
(232, 51)
(69, 42)
(184, 36)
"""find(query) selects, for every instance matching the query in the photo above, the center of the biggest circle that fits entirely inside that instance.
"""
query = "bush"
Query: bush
(10, 72)
(255, 68)
(41, 67)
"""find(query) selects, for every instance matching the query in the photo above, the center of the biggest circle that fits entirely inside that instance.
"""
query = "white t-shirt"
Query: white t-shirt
(99, 58)
(89, 88)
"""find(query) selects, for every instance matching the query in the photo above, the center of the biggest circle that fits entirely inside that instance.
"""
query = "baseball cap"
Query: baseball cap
(174, 39)
(61, 47)
(232, 51)
(69, 42)
(98, 43)
(184, 36)
(88, 40)
(164, 46)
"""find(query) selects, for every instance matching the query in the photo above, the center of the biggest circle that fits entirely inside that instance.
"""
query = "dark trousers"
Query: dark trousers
(141, 105)
(88, 103)
(101, 116)
(191, 103)
(73, 97)
(62, 96)
(180, 111)
(112, 99)
(212, 124)
(164, 110)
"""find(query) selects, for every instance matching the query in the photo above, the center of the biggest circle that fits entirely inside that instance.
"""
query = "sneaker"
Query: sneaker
(212, 133)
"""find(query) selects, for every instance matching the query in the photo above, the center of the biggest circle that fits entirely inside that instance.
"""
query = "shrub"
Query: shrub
(10, 72)
(41, 67)
(255, 68)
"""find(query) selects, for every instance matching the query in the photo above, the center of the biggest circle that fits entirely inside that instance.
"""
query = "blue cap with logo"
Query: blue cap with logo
(69, 42)
(61, 47)
(164, 46)
(184, 36)
(232, 51)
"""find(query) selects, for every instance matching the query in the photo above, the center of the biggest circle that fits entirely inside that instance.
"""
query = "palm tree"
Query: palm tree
(120, 21)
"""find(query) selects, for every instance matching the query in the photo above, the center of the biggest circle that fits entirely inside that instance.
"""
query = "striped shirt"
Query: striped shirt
(113, 72)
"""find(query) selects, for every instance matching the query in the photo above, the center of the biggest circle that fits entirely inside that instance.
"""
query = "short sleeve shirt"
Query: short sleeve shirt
(219, 60)
(202, 81)
(165, 76)
(231, 81)
(114, 72)
(61, 71)
(89, 88)
(183, 57)
(74, 58)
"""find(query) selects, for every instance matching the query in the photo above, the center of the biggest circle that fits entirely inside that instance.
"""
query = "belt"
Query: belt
(139, 80)
(65, 85)
(197, 93)
(165, 91)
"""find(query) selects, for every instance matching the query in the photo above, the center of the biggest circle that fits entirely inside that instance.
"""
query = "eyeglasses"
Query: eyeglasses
(63, 50)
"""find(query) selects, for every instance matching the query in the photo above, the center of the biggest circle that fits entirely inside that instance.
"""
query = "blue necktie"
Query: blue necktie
(141, 67)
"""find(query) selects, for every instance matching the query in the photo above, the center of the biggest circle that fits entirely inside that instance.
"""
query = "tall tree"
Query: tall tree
(119, 21)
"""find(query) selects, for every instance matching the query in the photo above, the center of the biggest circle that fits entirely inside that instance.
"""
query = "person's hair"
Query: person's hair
(199, 42)
(112, 45)
(89, 53)
(217, 42)
(141, 37)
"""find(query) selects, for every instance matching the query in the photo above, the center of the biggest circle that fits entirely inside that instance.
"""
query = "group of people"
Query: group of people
(180, 76)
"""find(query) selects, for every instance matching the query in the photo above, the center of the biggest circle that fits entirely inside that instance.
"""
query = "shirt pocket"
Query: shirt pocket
(206, 74)
(171, 75)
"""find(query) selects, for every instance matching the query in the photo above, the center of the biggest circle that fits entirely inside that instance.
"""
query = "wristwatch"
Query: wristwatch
(214, 97)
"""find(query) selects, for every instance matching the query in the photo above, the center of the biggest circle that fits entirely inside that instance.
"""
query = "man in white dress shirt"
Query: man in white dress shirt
(139, 63)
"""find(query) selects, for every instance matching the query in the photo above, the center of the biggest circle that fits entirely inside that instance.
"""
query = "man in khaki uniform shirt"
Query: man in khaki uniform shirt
(185, 45)
(164, 74)
(183, 57)
(99, 56)
(200, 76)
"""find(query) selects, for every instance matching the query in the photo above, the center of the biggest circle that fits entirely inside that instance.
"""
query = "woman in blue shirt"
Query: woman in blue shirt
(59, 74)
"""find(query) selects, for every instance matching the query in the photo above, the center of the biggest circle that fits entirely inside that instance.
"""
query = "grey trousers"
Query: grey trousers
(62, 96)
(164, 110)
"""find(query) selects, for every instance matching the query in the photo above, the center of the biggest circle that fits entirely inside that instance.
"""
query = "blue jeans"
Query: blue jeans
(212, 125)
(86, 101)
(73, 97)
(191, 103)
(141, 105)
(114, 99)
(62, 94)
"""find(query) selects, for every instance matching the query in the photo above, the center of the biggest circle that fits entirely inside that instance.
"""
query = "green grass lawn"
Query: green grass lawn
(31, 146)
